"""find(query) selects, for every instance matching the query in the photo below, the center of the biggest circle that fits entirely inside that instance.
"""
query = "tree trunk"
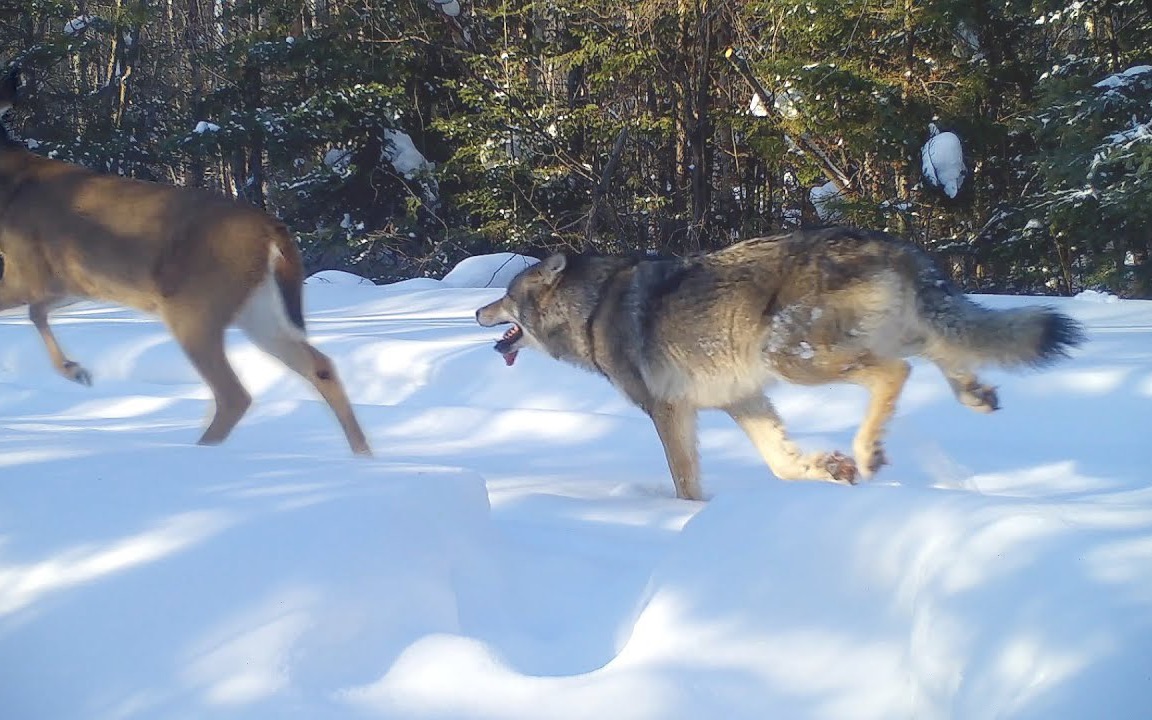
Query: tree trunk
(253, 96)
(195, 36)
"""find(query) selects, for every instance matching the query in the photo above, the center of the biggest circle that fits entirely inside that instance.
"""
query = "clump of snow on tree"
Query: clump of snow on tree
(784, 101)
(410, 162)
(966, 42)
(787, 102)
(451, 8)
(942, 161)
(403, 154)
(825, 198)
(338, 159)
(1123, 78)
(77, 25)
(204, 126)
(1138, 132)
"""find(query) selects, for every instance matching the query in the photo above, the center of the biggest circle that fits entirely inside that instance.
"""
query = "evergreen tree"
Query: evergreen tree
(656, 125)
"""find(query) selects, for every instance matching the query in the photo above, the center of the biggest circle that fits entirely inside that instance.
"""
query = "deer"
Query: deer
(200, 261)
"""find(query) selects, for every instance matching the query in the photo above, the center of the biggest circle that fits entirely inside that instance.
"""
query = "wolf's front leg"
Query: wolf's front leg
(38, 313)
(759, 420)
(884, 382)
(676, 425)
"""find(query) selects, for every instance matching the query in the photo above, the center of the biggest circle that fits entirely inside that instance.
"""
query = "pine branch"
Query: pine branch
(831, 170)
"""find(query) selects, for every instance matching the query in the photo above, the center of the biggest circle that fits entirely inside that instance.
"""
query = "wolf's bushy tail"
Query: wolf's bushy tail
(965, 331)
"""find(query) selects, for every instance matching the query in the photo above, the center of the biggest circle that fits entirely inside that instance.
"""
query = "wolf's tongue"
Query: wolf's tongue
(510, 357)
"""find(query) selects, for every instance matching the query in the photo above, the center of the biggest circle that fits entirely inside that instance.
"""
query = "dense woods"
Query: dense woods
(396, 136)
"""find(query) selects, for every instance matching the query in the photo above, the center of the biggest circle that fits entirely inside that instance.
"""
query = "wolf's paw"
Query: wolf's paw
(981, 398)
(840, 468)
(76, 373)
(870, 458)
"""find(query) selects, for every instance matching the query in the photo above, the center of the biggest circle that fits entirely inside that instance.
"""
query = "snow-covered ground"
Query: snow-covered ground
(515, 551)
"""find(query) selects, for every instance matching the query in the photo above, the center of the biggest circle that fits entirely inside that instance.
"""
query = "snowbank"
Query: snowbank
(336, 277)
(484, 271)
(515, 550)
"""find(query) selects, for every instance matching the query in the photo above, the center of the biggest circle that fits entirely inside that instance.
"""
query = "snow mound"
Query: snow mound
(336, 277)
(293, 601)
(925, 603)
(485, 271)
(1096, 296)
(514, 550)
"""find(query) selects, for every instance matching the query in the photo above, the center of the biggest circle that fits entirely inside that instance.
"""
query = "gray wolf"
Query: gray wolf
(810, 307)
(199, 261)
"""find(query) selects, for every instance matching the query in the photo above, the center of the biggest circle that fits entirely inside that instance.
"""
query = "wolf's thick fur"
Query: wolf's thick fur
(200, 261)
(811, 307)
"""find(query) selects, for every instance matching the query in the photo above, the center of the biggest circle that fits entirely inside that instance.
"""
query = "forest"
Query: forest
(395, 137)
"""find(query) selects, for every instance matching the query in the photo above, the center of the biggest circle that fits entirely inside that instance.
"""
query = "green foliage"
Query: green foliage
(1095, 159)
(519, 105)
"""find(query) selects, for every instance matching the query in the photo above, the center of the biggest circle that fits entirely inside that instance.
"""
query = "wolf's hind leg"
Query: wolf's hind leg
(884, 382)
(968, 389)
(759, 420)
(676, 426)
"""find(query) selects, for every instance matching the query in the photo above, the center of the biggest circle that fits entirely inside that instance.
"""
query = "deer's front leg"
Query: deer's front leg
(38, 313)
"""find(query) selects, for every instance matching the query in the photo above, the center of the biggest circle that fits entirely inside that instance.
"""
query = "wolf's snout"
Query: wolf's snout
(491, 314)
(509, 343)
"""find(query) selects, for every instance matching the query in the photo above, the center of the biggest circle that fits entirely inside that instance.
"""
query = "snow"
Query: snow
(966, 42)
(410, 162)
(349, 224)
(785, 101)
(515, 549)
(336, 277)
(1123, 78)
(403, 154)
(1096, 296)
(942, 161)
(77, 25)
(451, 8)
(1137, 133)
(825, 199)
(338, 159)
(204, 126)
(756, 106)
(484, 271)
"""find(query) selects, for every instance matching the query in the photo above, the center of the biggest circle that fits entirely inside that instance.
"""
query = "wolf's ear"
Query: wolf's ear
(553, 265)
(10, 88)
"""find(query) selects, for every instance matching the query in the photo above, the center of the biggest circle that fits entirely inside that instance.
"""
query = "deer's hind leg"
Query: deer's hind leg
(264, 320)
(38, 314)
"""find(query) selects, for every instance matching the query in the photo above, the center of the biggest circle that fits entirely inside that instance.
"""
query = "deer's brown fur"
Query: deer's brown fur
(201, 262)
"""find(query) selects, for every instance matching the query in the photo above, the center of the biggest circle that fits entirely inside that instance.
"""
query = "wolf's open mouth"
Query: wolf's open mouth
(507, 342)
